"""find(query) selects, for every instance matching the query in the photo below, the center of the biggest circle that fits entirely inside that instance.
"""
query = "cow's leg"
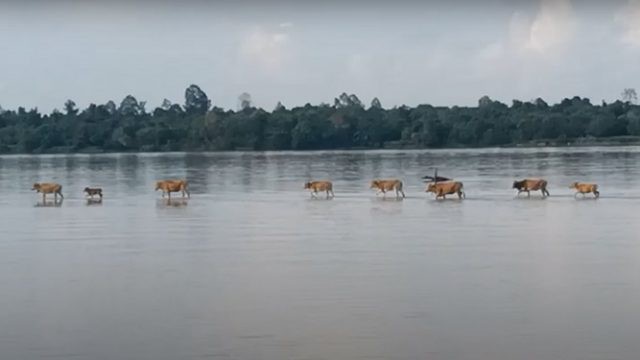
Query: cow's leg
(44, 197)
(596, 193)
(528, 193)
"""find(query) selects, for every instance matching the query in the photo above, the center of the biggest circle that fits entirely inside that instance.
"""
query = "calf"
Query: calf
(382, 186)
(442, 189)
(316, 186)
(528, 185)
(583, 188)
(93, 191)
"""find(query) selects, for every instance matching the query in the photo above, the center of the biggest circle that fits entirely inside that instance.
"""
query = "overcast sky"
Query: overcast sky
(404, 52)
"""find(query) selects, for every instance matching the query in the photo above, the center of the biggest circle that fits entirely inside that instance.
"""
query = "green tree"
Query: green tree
(196, 101)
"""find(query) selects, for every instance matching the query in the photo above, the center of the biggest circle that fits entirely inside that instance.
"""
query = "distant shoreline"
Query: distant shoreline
(581, 142)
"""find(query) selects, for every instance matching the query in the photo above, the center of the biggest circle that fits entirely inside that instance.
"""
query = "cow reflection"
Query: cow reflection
(179, 202)
(49, 203)
(94, 202)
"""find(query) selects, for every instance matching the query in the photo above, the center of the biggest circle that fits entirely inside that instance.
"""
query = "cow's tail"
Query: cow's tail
(399, 187)
(543, 186)
(185, 188)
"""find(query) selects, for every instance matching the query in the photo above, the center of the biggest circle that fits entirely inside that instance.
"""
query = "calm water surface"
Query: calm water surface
(252, 268)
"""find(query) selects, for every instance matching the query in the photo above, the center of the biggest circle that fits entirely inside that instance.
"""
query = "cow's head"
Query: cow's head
(518, 184)
(374, 184)
(36, 187)
(307, 185)
(573, 185)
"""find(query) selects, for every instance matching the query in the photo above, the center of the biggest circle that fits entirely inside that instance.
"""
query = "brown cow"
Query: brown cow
(48, 188)
(442, 189)
(528, 185)
(93, 191)
(315, 186)
(583, 188)
(169, 186)
(382, 186)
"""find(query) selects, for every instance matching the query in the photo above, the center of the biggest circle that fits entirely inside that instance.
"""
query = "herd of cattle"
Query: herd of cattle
(439, 188)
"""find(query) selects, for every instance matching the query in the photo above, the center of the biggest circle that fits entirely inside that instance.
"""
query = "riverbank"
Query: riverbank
(579, 142)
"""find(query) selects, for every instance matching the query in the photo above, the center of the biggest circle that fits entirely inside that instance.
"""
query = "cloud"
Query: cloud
(266, 48)
(286, 25)
(553, 26)
(629, 18)
(529, 51)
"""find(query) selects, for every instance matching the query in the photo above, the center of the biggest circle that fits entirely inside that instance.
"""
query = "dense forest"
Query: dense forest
(345, 124)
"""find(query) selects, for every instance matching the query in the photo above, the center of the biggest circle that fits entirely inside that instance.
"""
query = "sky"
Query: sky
(297, 52)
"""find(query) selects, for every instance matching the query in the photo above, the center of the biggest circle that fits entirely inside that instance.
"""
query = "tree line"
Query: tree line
(346, 124)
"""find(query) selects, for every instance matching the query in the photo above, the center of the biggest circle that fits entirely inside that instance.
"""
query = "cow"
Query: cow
(169, 186)
(442, 189)
(93, 191)
(584, 188)
(48, 188)
(528, 185)
(382, 186)
(318, 186)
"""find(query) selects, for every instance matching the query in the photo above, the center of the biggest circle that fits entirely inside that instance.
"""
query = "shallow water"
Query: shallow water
(252, 268)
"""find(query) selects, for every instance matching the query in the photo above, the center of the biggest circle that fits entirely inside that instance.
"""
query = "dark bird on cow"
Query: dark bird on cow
(435, 177)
